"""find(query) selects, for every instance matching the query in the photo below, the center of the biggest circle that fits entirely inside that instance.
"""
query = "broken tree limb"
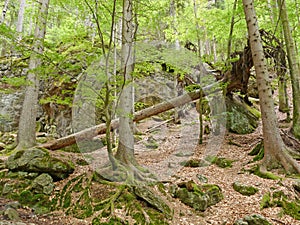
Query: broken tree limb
(89, 133)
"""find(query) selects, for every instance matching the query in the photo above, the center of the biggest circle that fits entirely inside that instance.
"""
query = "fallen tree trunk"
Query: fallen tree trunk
(91, 132)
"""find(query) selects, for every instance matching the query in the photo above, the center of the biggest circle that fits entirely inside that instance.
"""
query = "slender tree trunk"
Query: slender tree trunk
(125, 152)
(177, 87)
(4, 10)
(231, 30)
(294, 68)
(2, 20)
(274, 148)
(21, 18)
(200, 141)
(31, 21)
(27, 124)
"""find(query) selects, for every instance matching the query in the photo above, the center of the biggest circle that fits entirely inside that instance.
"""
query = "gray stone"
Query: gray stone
(202, 178)
(255, 219)
(14, 205)
(40, 161)
(240, 222)
(43, 184)
(11, 214)
(10, 108)
(241, 119)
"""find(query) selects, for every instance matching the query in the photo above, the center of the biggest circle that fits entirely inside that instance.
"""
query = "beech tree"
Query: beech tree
(21, 17)
(26, 137)
(4, 10)
(293, 66)
(275, 151)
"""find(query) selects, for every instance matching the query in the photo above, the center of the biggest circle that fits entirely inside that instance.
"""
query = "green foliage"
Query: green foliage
(14, 81)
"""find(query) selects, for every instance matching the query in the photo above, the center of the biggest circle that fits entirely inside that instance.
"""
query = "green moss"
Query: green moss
(291, 208)
(192, 163)
(83, 207)
(256, 149)
(266, 175)
(161, 188)
(78, 186)
(96, 221)
(67, 200)
(39, 202)
(266, 201)
(224, 163)
(139, 218)
(211, 158)
(244, 189)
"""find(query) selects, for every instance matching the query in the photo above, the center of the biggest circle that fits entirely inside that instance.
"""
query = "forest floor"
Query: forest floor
(161, 146)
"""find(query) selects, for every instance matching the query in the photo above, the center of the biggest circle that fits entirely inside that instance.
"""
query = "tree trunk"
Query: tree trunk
(89, 133)
(4, 10)
(27, 125)
(294, 68)
(125, 152)
(231, 32)
(21, 18)
(275, 150)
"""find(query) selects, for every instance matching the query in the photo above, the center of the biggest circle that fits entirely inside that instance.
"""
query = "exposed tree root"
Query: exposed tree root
(110, 202)
(284, 159)
(129, 173)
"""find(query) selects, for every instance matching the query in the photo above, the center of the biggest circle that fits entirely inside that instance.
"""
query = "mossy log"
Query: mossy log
(89, 133)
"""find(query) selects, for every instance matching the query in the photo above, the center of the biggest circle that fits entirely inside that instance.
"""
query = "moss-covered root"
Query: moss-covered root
(109, 204)
(263, 173)
(286, 158)
(258, 151)
(128, 173)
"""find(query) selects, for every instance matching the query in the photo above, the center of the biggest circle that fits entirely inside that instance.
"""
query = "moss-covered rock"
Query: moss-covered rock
(40, 161)
(290, 207)
(241, 118)
(244, 189)
(219, 161)
(43, 184)
(198, 197)
(254, 219)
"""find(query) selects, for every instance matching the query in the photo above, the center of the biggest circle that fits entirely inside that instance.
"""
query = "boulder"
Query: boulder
(199, 197)
(40, 161)
(254, 219)
(241, 118)
(43, 184)
(244, 189)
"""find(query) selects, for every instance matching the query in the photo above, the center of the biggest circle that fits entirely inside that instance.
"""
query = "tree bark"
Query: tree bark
(89, 133)
(125, 152)
(27, 125)
(4, 10)
(275, 151)
(21, 18)
(294, 68)
(231, 31)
